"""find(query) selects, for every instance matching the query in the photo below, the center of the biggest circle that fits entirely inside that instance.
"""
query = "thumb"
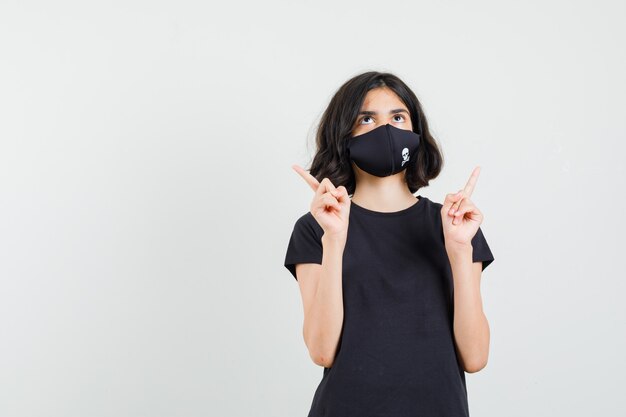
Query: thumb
(451, 199)
(341, 193)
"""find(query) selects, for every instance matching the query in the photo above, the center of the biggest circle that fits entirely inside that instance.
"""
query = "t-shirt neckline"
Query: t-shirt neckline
(412, 207)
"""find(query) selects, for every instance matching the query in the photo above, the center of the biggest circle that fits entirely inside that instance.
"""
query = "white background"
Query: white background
(146, 195)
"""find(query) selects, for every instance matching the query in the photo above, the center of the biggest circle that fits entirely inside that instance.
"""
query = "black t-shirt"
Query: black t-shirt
(396, 354)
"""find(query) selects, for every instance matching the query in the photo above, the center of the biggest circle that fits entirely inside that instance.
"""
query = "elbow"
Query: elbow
(475, 366)
(321, 357)
(320, 352)
(323, 360)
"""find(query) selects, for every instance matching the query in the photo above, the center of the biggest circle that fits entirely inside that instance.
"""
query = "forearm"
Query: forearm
(326, 311)
(471, 329)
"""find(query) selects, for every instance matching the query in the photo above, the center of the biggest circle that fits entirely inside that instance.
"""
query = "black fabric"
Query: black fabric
(383, 151)
(305, 244)
(396, 354)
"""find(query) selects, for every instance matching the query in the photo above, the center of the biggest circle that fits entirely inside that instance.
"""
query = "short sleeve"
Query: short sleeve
(305, 243)
(480, 249)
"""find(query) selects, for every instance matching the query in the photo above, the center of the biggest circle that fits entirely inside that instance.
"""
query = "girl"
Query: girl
(390, 282)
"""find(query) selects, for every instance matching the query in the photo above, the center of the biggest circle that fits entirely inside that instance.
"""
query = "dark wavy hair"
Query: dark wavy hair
(337, 122)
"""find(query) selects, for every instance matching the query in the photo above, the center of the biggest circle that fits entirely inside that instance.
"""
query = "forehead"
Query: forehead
(381, 98)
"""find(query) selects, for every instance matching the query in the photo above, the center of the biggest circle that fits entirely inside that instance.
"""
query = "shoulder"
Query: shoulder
(306, 223)
(432, 207)
(433, 214)
(433, 204)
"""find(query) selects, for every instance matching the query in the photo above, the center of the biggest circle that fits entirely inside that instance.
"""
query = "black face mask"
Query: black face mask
(383, 151)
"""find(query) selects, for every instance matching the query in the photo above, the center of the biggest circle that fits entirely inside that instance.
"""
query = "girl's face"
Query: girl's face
(381, 106)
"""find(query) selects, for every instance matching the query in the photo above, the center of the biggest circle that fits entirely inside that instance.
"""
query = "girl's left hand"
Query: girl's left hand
(460, 218)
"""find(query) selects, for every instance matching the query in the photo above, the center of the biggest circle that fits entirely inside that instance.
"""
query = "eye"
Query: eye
(399, 115)
(365, 117)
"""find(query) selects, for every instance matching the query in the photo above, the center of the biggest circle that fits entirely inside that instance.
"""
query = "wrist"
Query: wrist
(335, 239)
(459, 249)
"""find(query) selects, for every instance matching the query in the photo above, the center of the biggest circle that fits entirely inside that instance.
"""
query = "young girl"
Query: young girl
(390, 282)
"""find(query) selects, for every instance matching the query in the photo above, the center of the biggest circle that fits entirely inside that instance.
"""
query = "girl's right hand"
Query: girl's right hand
(330, 205)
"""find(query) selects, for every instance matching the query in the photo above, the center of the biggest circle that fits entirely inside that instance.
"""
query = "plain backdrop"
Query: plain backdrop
(147, 195)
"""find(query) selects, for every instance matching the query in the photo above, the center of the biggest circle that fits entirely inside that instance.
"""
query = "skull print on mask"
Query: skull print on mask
(405, 155)
(383, 151)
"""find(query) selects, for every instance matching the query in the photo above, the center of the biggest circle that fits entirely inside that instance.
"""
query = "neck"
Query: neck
(382, 193)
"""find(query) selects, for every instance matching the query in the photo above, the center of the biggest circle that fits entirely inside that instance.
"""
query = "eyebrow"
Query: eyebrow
(373, 113)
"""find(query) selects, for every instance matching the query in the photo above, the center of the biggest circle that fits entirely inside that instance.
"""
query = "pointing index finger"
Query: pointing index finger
(310, 179)
(471, 183)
